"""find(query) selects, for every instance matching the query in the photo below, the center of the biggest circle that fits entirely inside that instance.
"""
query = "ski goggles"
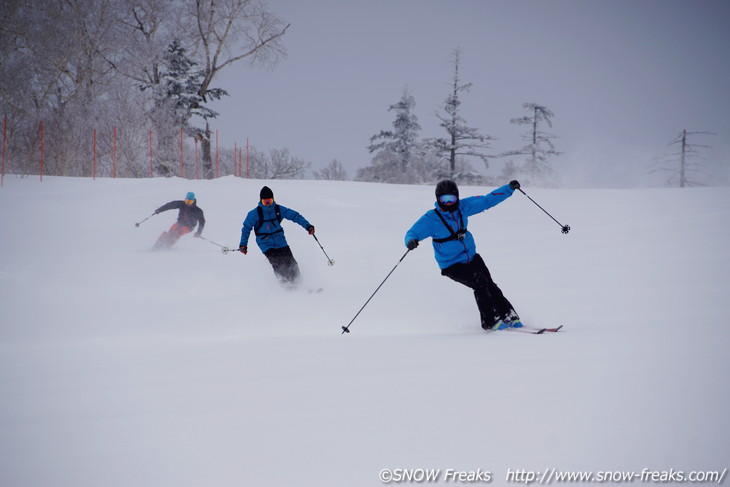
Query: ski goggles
(267, 201)
(448, 199)
(189, 202)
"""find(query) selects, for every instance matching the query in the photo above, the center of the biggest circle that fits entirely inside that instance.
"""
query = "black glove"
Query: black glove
(310, 229)
(243, 249)
(157, 212)
(412, 244)
(514, 185)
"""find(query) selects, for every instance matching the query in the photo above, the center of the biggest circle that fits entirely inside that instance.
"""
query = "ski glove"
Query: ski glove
(514, 185)
(243, 249)
(412, 244)
(310, 229)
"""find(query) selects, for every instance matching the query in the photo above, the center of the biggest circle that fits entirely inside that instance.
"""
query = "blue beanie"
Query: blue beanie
(190, 196)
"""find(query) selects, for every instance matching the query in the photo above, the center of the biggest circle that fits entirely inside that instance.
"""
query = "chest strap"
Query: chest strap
(458, 235)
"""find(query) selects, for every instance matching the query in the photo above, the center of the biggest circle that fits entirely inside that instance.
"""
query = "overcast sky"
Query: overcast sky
(623, 78)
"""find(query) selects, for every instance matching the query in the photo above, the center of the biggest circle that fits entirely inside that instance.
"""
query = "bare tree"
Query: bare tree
(461, 140)
(150, 28)
(539, 143)
(227, 31)
(278, 164)
(683, 165)
(69, 45)
(334, 172)
(61, 62)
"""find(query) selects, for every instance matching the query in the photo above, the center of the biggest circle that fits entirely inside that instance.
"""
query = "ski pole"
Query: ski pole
(329, 261)
(564, 228)
(139, 223)
(219, 245)
(224, 249)
(346, 329)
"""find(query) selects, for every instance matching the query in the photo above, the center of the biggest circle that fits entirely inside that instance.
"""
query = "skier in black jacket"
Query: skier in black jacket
(190, 214)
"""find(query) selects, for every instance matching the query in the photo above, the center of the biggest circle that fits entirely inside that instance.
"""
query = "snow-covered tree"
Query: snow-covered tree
(403, 139)
(149, 28)
(397, 149)
(461, 140)
(74, 64)
(224, 32)
(684, 164)
(539, 145)
(385, 167)
(334, 172)
(181, 81)
(64, 54)
(277, 164)
(177, 100)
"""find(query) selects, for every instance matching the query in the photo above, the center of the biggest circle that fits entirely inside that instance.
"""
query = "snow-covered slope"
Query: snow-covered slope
(125, 367)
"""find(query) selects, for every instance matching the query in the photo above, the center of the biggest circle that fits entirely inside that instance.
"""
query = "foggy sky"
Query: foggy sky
(623, 78)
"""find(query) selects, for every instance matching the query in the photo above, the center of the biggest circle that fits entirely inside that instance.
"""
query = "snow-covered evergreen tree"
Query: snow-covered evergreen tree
(403, 139)
(177, 100)
(395, 149)
(182, 81)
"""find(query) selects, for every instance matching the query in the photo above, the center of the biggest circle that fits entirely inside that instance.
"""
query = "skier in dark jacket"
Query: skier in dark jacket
(455, 250)
(265, 221)
(189, 215)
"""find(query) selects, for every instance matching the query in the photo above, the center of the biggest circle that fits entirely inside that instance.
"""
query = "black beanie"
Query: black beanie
(266, 193)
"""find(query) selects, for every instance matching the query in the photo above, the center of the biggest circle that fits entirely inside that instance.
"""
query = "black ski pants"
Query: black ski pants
(492, 304)
(285, 266)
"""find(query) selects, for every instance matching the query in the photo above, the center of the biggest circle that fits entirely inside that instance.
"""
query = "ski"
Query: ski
(534, 331)
(524, 329)
(553, 330)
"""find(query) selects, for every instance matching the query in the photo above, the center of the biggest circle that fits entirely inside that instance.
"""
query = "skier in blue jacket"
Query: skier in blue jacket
(455, 250)
(265, 221)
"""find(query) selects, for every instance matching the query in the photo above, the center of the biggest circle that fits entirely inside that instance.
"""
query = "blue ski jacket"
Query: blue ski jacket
(269, 234)
(457, 250)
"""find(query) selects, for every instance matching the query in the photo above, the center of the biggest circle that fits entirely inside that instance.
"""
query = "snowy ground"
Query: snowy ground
(125, 367)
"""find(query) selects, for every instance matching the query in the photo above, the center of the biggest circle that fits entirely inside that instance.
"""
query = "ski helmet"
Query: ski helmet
(447, 186)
